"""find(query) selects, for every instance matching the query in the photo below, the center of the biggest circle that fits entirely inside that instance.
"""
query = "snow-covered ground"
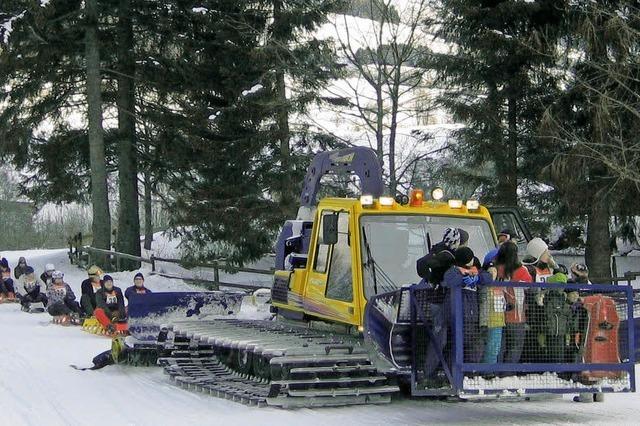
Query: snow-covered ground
(37, 386)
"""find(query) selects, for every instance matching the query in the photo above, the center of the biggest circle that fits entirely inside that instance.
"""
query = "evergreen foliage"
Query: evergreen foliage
(496, 81)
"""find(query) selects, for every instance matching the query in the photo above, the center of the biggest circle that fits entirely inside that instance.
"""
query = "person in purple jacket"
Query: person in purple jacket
(137, 287)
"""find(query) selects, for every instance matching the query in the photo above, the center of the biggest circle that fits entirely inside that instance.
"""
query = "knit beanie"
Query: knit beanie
(451, 238)
(580, 270)
(558, 278)
(536, 248)
(464, 256)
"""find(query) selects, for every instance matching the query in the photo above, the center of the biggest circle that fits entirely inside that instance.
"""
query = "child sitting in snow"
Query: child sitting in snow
(62, 301)
(137, 287)
(7, 289)
(32, 287)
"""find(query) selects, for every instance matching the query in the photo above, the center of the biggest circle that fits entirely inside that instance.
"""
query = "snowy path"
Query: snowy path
(37, 386)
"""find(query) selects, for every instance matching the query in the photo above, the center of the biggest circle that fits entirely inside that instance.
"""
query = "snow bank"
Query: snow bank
(38, 386)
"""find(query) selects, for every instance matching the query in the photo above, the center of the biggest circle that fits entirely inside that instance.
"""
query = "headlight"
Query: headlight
(455, 204)
(386, 201)
(473, 204)
(366, 200)
(437, 194)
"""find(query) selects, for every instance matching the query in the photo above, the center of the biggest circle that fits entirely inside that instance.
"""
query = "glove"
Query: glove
(470, 280)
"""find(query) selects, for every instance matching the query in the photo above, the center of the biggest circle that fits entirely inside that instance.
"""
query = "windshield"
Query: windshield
(391, 245)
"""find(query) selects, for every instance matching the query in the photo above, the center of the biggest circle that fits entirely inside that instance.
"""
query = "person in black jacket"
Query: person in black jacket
(47, 275)
(33, 290)
(89, 288)
(137, 287)
(20, 268)
(431, 268)
(110, 304)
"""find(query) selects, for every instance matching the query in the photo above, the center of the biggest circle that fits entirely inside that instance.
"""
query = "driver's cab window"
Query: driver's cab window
(321, 262)
(339, 282)
(508, 222)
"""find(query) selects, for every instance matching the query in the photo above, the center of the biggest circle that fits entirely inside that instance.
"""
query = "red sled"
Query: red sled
(105, 321)
(601, 345)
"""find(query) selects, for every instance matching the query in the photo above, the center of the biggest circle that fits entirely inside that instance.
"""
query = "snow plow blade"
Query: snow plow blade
(149, 312)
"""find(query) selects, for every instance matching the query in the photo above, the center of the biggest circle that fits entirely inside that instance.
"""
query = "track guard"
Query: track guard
(148, 312)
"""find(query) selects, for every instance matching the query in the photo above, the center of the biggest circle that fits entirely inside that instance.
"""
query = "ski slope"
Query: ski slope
(37, 386)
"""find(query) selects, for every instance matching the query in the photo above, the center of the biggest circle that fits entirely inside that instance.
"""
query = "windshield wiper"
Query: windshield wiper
(371, 264)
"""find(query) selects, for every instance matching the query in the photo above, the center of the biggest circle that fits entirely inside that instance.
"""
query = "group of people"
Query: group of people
(509, 324)
(99, 295)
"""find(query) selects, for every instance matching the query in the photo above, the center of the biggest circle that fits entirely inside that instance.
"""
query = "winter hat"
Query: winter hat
(536, 248)
(451, 238)
(464, 236)
(559, 278)
(506, 232)
(138, 275)
(57, 275)
(489, 257)
(94, 270)
(49, 267)
(4, 263)
(464, 256)
(107, 278)
(22, 260)
(580, 270)
(28, 270)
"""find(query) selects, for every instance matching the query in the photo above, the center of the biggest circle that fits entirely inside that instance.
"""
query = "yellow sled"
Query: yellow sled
(91, 325)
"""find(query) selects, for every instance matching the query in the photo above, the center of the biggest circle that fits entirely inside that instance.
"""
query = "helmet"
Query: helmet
(57, 275)
(49, 267)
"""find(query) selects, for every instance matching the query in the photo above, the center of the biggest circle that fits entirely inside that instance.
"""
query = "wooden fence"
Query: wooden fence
(84, 256)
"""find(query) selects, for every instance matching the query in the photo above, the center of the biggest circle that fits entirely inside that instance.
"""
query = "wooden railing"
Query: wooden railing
(84, 256)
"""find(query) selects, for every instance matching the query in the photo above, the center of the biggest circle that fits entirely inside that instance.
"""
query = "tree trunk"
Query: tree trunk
(598, 250)
(128, 216)
(287, 196)
(148, 219)
(380, 121)
(101, 226)
(395, 101)
(511, 166)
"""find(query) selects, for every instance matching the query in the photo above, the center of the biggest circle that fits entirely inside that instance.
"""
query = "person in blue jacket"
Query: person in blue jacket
(137, 287)
(466, 276)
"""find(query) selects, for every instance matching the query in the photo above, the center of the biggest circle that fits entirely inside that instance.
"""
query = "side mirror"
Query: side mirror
(330, 229)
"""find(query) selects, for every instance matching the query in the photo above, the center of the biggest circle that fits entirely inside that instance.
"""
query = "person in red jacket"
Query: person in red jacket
(509, 268)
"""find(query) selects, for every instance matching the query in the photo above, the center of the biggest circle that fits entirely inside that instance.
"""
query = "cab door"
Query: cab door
(330, 291)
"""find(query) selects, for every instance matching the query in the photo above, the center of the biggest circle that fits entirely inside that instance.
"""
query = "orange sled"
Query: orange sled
(601, 346)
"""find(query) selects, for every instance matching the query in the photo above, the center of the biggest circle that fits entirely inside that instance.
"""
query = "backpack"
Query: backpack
(557, 313)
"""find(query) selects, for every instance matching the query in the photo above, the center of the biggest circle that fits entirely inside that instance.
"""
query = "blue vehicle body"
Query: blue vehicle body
(148, 312)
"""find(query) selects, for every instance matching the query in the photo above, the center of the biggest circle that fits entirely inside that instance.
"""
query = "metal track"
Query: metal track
(270, 363)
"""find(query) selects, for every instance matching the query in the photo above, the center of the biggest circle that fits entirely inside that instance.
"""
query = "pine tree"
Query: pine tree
(593, 125)
(496, 82)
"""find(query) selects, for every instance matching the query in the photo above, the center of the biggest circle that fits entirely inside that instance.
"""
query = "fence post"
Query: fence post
(153, 263)
(216, 274)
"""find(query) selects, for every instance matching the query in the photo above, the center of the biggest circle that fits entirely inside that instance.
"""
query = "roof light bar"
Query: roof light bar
(473, 204)
(366, 200)
(455, 204)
